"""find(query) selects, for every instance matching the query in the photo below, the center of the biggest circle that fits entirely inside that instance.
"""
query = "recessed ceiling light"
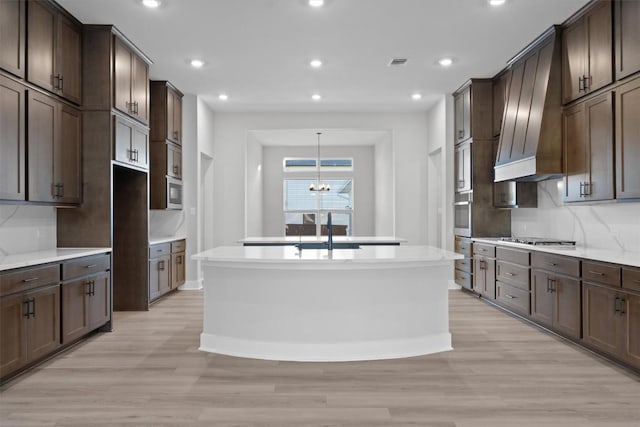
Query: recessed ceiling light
(316, 3)
(197, 63)
(497, 2)
(316, 97)
(416, 96)
(316, 63)
(445, 62)
(223, 97)
(152, 4)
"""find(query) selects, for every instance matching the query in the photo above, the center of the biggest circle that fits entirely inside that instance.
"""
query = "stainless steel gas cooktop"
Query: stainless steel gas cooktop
(538, 241)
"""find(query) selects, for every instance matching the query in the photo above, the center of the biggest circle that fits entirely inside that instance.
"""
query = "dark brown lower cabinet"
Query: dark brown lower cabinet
(612, 322)
(177, 269)
(29, 327)
(86, 305)
(159, 276)
(555, 302)
(484, 276)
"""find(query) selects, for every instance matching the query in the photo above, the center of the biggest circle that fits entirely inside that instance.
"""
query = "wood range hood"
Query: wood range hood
(530, 147)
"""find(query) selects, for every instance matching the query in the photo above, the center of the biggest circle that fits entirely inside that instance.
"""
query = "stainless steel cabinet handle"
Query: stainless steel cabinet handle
(30, 279)
(32, 312)
(509, 296)
(616, 305)
(509, 274)
(88, 285)
(596, 273)
(61, 83)
(25, 308)
(161, 265)
(581, 86)
(460, 134)
(553, 264)
(90, 265)
(622, 303)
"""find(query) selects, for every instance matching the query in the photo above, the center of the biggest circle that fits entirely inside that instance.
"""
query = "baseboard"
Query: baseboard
(454, 285)
(192, 285)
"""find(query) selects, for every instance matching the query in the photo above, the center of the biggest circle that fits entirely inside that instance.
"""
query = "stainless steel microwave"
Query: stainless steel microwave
(462, 208)
(174, 193)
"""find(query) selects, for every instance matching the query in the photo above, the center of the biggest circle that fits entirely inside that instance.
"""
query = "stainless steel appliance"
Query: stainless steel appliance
(174, 193)
(538, 241)
(512, 194)
(462, 207)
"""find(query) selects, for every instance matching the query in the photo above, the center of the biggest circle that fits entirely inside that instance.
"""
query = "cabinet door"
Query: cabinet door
(42, 128)
(176, 119)
(159, 277)
(100, 300)
(69, 60)
(567, 306)
(174, 161)
(12, 36)
(68, 156)
(140, 88)
(599, 132)
(574, 58)
(458, 105)
(541, 298)
(463, 167)
(140, 146)
(177, 269)
(41, 44)
(43, 328)
(631, 316)
(627, 140)
(122, 77)
(575, 153)
(75, 309)
(123, 137)
(466, 111)
(627, 38)
(601, 323)
(12, 139)
(13, 344)
(600, 46)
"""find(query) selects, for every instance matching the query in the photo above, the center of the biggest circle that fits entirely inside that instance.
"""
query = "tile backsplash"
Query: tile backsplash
(610, 225)
(26, 228)
(167, 223)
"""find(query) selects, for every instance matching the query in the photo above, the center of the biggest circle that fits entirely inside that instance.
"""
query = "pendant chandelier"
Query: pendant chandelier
(321, 187)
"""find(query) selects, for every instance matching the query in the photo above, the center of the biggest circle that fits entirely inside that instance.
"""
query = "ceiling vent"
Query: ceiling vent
(398, 61)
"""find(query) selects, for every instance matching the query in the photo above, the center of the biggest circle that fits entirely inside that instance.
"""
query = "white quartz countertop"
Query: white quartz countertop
(604, 255)
(348, 239)
(289, 256)
(27, 259)
(155, 240)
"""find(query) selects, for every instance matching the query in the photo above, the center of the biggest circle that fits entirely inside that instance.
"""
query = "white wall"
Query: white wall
(410, 157)
(26, 228)
(254, 187)
(614, 226)
(384, 182)
(363, 184)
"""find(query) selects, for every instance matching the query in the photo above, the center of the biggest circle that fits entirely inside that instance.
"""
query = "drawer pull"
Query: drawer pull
(31, 279)
(91, 266)
(509, 296)
(596, 273)
(463, 247)
(553, 264)
(509, 274)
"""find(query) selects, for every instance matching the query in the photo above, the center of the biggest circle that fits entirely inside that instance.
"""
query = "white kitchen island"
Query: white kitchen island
(278, 303)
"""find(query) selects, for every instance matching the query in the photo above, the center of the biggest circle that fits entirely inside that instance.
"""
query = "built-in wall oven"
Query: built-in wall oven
(462, 207)
(174, 193)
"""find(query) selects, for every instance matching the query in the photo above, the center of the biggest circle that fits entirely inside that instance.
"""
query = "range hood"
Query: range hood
(530, 147)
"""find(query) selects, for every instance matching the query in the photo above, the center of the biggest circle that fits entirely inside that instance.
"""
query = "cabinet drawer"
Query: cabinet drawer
(159, 250)
(462, 245)
(178, 246)
(631, 278)
(465, 265)
(605, 274)
(513, 274)
(512, 297)
(516, 256)
(484, 249)
(556, 264)
(462, 278)
(85, 266)
(28, 278)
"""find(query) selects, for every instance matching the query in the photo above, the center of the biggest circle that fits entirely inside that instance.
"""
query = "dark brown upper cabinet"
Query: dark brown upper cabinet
(12, 36)
(54, 51)
(627, 25)
(131, 75)
(587, 52)
(166, 112)
(473, 110)
(54, 146)
(588, 144)
(12, 140)
(628, 140)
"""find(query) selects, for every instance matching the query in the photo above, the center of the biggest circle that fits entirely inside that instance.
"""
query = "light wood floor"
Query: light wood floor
(149, 372)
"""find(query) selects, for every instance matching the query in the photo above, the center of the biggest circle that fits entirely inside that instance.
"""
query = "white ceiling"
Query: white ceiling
(257, 51)
(328, 137)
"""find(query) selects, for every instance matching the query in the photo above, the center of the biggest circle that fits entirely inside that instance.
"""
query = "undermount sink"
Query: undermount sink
(325, 245)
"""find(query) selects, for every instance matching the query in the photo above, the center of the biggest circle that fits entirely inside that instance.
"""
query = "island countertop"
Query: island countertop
(291, 257)
(292, 240)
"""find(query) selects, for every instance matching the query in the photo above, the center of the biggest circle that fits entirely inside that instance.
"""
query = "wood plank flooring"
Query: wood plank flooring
(149, 372)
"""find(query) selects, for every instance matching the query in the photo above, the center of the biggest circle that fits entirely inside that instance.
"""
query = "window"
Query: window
(305, 212)
(293, 164)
